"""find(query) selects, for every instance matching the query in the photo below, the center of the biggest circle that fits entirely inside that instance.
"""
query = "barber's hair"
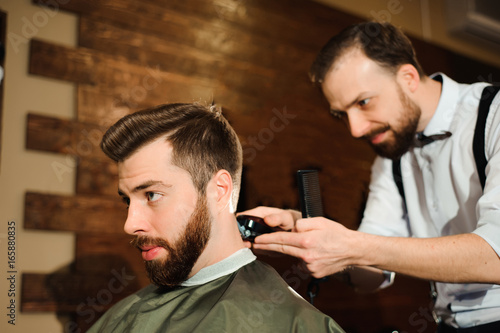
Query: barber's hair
(202, 139)
(381, 42)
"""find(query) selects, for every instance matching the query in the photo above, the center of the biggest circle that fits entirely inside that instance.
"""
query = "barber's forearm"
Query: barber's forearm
(362, 278)
(465, 258)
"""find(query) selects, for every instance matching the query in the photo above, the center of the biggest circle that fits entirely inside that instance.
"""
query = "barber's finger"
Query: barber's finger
(312, 223)
(281, 248)
(260, 211)
(280, 220)
(274, 217)
(249, 245)
(280, 237)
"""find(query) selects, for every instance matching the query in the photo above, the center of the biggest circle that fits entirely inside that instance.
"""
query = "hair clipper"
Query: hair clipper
(252, 226)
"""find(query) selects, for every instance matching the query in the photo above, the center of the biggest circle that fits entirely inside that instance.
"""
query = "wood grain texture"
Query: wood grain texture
(84, 294)
(78, 213)
(64, 136)
(96, 253)
(72, 65)
(97, 177)
(208, 26)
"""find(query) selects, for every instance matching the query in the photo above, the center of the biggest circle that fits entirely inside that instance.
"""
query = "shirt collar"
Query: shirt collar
(444, 114)
(224, 267)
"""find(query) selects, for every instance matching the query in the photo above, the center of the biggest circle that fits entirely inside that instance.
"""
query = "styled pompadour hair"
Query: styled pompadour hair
(203, 141)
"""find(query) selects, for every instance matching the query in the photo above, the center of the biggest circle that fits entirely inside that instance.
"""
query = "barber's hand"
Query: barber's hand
(321, 243)
(275, 217)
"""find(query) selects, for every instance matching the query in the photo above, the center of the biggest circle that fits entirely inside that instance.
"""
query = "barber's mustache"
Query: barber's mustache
(376, 132)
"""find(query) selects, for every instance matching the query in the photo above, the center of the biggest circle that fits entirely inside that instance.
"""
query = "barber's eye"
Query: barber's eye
(152, 196)
(364, 102)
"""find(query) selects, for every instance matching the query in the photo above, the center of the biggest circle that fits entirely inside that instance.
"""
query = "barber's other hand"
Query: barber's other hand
(275, 217)
(321, 243)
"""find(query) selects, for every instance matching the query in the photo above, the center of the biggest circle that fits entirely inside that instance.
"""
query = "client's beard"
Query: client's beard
(183, 254)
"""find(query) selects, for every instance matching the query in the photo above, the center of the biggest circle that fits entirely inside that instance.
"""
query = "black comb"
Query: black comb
(309, 193)
(311, 206)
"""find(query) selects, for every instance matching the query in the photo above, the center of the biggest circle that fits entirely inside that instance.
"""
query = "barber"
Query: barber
(427, 214)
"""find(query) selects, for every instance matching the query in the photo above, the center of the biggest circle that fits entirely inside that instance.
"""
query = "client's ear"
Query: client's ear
(223, 188)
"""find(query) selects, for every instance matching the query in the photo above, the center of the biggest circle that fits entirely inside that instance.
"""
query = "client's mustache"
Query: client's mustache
(142, 241)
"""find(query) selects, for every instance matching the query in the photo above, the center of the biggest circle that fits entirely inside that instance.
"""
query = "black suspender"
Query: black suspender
(398, 179)
(477, 144)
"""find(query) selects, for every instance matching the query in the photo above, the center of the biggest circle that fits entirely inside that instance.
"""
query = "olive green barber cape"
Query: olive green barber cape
(252, 299)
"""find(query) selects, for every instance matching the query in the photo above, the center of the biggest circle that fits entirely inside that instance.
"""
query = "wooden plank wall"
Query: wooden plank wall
(3, 30)
(251, 57)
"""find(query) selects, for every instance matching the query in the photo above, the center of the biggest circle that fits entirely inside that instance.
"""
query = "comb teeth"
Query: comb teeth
(309, 192)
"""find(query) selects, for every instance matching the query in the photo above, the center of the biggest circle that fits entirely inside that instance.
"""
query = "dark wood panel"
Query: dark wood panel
(245, 14)
(104, 253)
(235, 84)
(174, 57)
(86, 294)
(123, 87)
(265, 18)
(97, 177)
(151, 50)
(71, 65)
(198, 31)
(108, 103)
(85, 65)
(64, 136)
(79, 213)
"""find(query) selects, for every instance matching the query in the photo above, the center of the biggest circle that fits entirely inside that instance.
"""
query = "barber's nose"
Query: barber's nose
(136, 222)
(358, 125)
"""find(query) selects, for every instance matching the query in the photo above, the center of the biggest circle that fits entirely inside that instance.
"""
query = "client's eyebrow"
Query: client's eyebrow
(144, 186)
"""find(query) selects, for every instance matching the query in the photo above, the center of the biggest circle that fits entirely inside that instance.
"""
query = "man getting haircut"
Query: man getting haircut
(179, 170)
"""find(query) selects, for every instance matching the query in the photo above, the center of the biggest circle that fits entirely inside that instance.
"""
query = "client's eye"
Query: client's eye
(153, 196)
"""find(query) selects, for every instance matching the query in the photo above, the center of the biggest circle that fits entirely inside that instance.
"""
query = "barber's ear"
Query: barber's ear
(408, 77)
(224, 188)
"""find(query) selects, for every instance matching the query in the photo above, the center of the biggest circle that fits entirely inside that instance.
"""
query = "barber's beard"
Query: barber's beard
(174, 269)
(402, 136)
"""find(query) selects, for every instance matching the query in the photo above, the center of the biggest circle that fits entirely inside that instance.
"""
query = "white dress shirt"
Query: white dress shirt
(444, 196)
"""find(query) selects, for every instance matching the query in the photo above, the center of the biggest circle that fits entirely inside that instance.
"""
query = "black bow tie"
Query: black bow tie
(422, 140)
